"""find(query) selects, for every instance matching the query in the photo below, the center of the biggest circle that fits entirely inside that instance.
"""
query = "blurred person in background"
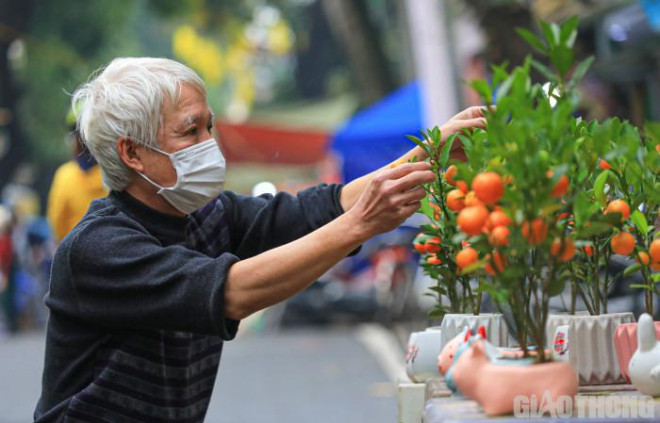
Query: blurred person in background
(145, 289)
(5, 245)
(30, 253)
(75, 185)
(6, 261)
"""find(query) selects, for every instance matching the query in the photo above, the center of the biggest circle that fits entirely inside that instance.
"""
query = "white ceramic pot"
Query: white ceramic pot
(496, 331)
(591, 349)
(422, 355)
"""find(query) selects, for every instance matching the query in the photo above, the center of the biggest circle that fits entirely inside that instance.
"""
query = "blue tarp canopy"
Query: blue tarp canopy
(376, 136)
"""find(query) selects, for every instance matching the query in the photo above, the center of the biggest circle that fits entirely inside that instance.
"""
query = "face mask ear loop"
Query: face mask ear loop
(160, 187)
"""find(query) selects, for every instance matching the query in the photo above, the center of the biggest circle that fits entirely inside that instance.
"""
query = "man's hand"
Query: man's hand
(390, 197)
(472, 117)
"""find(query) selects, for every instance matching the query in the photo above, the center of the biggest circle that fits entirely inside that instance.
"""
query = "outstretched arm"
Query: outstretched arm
(471, 117)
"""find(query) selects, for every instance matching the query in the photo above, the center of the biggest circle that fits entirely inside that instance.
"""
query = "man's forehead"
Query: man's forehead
(190, 107)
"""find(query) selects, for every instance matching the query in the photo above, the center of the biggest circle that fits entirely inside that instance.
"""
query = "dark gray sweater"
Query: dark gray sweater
(137, 302)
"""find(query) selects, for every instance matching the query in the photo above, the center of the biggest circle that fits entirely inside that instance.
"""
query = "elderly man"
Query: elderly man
(159, 273)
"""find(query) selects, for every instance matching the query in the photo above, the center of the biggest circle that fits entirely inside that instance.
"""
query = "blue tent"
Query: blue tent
(376, 136)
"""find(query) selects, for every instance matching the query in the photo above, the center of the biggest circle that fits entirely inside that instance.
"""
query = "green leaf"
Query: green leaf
(639, 220)
(569, 32)
(652, 130)
(594, 229)
(599, 187)
(640, 286)
(420, 143)
(499, 74)
(582, 208)
(458, 238)
(612, 219)
(532, 40)
(562, 59)
(551, 33)
(483, 89)
(633, 268)
(471, 268)
(466, 141)
(437, 313)
(426, 208)
(446, 150)
(504, 88)
(580, 70)
(583, 172)
(544, 70)
(435, 134)
(438, 288)
(556, 287)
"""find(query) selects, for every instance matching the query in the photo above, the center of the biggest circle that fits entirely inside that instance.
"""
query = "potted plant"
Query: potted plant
(573, 192)
(612, 213)
(459, 295)
(600, 216)
(523, 171)
(641, 238)
(597, 173)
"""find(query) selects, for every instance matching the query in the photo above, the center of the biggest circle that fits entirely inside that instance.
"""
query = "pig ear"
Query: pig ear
(482, 332)
(478, 349)
(468, 334)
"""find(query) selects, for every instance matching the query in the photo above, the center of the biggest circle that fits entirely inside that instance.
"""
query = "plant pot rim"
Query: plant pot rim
(635, 323)
(589, 316)
(472, 314)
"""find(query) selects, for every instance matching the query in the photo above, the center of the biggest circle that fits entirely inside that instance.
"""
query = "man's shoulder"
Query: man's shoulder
(102, 218)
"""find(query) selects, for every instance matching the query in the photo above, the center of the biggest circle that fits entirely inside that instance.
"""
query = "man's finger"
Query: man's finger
(458, 125)
(405, 169)
(469, 113)
(411, 180)
(410, 196)
(410, 208)
(473, 112)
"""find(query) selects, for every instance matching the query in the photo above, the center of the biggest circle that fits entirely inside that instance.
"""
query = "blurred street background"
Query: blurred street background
(305, 92)
(320, 375)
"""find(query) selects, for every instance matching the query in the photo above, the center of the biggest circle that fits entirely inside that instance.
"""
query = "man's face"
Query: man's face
(186, 124)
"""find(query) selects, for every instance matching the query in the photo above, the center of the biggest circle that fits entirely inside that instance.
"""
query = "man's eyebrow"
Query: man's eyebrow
(192, 119)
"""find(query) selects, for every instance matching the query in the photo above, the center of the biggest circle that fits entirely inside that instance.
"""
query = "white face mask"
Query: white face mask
(200, 171)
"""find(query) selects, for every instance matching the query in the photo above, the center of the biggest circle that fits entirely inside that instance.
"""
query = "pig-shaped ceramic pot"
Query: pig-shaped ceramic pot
(463, 341)
(446, 357)
(495, 385)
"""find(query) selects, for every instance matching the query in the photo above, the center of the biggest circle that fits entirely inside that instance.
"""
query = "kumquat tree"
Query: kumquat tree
(544, 198)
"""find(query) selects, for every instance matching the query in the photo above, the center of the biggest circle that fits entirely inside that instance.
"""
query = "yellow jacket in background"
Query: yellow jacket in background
(71, 192)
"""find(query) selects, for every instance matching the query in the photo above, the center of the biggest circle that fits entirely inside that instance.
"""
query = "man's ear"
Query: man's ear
(129, 154)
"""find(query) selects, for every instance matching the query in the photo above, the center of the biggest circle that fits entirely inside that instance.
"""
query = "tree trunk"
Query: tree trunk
(14, 16)
(351, 26)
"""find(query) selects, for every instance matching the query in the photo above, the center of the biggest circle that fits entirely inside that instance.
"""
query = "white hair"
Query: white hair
(125, 99)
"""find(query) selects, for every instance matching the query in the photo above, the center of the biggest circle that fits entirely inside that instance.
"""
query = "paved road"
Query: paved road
(320, 375)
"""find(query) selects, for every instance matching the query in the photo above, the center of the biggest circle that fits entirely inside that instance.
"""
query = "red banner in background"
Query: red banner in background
(268, 144)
